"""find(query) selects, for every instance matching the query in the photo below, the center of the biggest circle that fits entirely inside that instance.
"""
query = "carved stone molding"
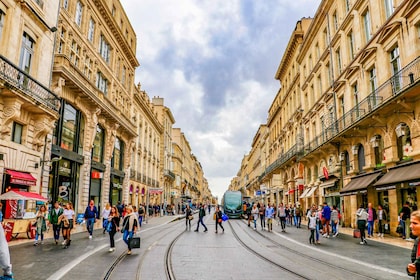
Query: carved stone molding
(42, 126)
(11, 111)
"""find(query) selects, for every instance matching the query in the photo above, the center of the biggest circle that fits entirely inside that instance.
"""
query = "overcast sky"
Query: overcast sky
(213, 62)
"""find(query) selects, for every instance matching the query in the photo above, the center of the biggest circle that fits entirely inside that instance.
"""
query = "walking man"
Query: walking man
(54, 214)
(281, 213)
(201, 214)
(91, 214)
(269, 213)
(326, 217)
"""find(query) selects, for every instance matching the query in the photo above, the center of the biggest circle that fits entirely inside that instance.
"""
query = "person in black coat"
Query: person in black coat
(114, 220)
(201, 214)
(413, 268)
(219, 220)
(188, 216)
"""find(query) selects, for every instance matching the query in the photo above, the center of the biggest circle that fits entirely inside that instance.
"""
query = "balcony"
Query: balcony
(293, 151)
(22, 82)
(169, 174)
(378, 99)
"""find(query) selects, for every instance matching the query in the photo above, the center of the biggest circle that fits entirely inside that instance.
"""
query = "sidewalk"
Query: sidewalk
(388, 239)
(79, 228)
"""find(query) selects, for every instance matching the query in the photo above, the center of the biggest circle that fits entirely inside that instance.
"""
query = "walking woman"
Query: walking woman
(413, 268)
(188, 217)
(362, 217)
(219, 218)
(129, 227)
(68, 214)
(255, 212)
(105, 215)
(114, 219)
(41, 224)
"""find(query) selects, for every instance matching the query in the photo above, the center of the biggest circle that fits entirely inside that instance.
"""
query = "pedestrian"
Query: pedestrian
(255, 213)
(248, 214)
(334, 221)
(141, 214)
(382, 220)
(362, 216)
(219, 220)
(105, 215)
(371, 219)
(5, 257)
(281, 213)
(413, 268)
(188, 217)
(209, 206)
(130, 225)
(312, 220)
(68, 223)
(91, 214)
(269, 214)
(1, 212)
(298, 215)
(120, 208)
(201, 214)
(114, 219)
(56, 212)
(405, 220)
(318, 223)
(326, 217)
(261, 211)
(41, 224)
(288, 215)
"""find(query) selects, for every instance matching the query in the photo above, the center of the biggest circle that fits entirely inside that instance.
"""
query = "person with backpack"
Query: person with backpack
(297, 215)
(141, 214)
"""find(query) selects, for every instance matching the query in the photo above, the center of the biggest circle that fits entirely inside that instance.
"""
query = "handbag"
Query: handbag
(400, 229)
(134, 242)
(214, 216)
(219, 221)
(356, 233)
(109, 227)
(225, 217)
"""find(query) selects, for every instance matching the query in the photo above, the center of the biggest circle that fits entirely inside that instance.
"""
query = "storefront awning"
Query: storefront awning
(360, 182)
(303, 195)
(311, 192)
(21, 178)
(398, 174)
(18, 195)
(328, 184)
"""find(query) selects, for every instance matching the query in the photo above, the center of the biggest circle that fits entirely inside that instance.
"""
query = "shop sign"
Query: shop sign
(257, 193)
(325, 171)
(414, 184)
(96, 175)
(24, 182)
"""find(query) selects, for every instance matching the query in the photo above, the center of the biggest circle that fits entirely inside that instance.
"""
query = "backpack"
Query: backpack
(141, 210)
(297, 211)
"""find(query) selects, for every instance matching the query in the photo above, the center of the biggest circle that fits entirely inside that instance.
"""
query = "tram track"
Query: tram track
(282, 267)
(121, 257)
(317, 260)
(170, 275)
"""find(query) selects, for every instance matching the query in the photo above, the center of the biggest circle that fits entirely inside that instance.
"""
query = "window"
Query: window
(320, 85)
(403, 135)
(347, 5)
(335, 21)
(395, 70)
(102, 83)
(373, 83)
(123, 75)
(338, 56)
(366, 25)
(26, 53)
(17, 133)
(330, 75)
(104, 49)
(318, 52)
(66, 4)
(356, 100)
(389, 8)
(2, 16)
(350, 38)
(377, 144)
(69, 129)
(74, 53)
(98, 144)
(88, 68)
(40, 3)
(326, 40)
(113, 11)
(62, 41)
(118, 154)
(79, 13)
(91, 31)
(361, 158)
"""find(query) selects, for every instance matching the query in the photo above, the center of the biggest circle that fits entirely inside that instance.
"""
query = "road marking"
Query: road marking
(63, 271)
(343, 257)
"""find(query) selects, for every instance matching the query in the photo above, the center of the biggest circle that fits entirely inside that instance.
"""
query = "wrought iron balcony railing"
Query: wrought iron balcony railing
(28, 85)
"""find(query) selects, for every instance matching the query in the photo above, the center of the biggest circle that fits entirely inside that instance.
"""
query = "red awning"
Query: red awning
(18, 195)
(21, 178)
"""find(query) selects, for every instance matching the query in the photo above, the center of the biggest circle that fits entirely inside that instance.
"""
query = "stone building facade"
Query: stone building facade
(344, 124)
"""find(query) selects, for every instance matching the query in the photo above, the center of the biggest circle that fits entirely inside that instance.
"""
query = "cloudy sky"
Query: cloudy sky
(213, 62)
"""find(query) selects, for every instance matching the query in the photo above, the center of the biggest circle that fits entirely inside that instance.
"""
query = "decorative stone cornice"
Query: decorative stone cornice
(11, 111)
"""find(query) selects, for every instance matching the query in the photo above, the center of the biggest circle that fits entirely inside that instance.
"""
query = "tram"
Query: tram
(232, 204)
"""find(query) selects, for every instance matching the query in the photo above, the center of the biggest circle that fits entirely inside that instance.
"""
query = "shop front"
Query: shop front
(117, 178)
(399, 185)
(95, 190)
(330, 193)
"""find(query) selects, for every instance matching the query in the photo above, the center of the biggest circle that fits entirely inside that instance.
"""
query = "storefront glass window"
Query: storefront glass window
(81, 135)
(403, 141)
(69, 128)
(98, 144)
(361, 158)
(409, 195)
(383, 200)
(117, 154)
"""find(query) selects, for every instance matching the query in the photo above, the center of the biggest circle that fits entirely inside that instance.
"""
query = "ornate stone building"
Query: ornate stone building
(343, 126)
(93, 73)
(28, 108)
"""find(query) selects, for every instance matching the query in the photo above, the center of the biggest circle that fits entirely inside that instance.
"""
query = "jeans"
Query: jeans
(283, 222)
(37, 235)
(111, 238)
(312, 237)
(126, 236)
(89, 224)
(402, 223)
(317, 232)
(262, 218)
(200, 220)
(370, 228)
(334, 227)
(297, 221)
(140, 219)
(56, 229)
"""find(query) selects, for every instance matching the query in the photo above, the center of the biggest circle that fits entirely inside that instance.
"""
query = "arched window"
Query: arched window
(98, 144)
(347, 161)
(360, 157)
(378, 149)
(404, 147)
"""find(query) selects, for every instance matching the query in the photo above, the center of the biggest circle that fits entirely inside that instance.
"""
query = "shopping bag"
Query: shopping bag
(356, 233)
(134, 242)
(225, 217)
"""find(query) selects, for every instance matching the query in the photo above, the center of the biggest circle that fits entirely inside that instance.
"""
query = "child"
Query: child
(312, 227)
